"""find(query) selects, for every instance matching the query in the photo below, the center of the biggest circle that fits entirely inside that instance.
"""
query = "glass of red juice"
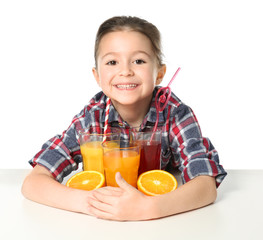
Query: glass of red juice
(150, 143)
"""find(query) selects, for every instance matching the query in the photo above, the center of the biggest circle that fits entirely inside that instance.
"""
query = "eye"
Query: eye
(112, 62)
(139, 61)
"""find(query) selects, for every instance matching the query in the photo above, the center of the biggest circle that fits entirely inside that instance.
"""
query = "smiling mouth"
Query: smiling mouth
(126, 86)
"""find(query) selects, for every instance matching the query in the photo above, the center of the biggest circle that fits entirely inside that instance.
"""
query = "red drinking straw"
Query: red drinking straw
(162, 101)
(106, 119)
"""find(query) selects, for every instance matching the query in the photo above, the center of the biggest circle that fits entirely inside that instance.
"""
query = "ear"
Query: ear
(96, 75)
(160, 74)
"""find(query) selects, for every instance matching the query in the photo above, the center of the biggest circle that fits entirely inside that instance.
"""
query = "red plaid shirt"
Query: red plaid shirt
(183, 146)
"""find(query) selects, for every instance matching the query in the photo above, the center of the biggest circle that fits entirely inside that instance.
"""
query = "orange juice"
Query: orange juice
(92, 155)
(124, 161)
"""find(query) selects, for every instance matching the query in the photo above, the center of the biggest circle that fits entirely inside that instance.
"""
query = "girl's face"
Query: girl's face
(127, 69)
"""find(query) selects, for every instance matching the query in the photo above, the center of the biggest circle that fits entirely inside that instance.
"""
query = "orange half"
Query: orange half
(156, 182)
(86, 180)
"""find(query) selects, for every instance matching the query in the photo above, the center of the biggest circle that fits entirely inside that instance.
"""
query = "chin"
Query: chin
(124, 102)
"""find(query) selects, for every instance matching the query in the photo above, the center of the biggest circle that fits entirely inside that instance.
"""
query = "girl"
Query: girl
(128, 68)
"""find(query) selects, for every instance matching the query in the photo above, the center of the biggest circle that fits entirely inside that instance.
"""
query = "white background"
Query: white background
(46, 57)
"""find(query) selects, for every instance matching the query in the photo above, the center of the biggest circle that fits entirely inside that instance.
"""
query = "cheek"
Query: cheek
(105, 78)
(151, 71)
(151, 76)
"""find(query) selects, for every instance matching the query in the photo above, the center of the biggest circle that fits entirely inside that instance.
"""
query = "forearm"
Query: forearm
(41, 187)
(197, 193)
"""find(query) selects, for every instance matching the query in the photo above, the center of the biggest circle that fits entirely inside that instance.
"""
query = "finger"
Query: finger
(110, 191)
(122, 183)
(102, 206)
(109, 199)
(101, 214)
(116, 189)
(107, 192)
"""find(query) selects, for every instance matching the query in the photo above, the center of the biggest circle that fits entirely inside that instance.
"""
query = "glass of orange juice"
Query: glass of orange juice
(90, 147)
(123, 159)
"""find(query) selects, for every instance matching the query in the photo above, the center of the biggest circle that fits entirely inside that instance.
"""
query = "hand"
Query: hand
(123, 203)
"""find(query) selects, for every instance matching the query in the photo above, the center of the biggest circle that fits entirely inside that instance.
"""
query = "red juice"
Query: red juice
(150, 156)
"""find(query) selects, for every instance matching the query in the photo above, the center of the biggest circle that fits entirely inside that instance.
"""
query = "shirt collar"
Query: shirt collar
(116, 120)
(114, 117)
(151, 116)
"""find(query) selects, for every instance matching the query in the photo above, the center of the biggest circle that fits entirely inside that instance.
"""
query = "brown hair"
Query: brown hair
(130, 23)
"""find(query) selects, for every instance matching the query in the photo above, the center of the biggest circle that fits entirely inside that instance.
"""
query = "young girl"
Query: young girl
(128, 68)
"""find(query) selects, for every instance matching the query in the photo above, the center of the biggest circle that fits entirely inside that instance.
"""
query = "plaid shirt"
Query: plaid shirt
(183, 146)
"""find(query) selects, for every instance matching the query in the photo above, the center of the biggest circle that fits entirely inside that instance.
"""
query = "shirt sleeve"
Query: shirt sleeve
(61, 154)
(193, 154)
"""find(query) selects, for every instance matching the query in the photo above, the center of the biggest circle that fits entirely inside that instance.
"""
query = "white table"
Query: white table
(236, 214)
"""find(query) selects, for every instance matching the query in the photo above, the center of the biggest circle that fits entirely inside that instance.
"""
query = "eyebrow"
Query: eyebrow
(134, 53)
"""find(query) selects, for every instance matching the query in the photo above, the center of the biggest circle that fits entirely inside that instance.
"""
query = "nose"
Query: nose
(126, 70)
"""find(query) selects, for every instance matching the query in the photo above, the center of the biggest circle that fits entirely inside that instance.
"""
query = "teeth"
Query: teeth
(126, 86)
